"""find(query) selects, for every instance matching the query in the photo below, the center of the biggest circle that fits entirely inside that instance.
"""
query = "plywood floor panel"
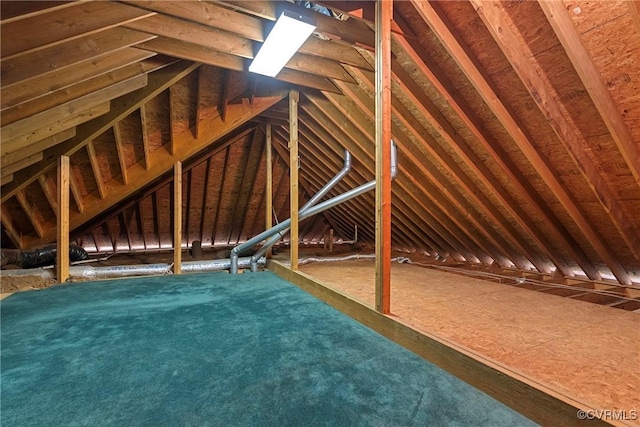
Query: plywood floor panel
(588, 351)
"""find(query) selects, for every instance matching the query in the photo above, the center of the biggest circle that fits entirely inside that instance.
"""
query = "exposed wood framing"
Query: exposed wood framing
(384, 15)
(120, 108)
(294, 165)
(63, 225)
(28, 208)
(524, 63)
(268, 204)
(177, 218)
(95, 166)
(481, 83)
(591, 78)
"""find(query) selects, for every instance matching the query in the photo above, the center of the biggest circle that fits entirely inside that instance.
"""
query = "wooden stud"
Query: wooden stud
(95, 167)
(48, 188)
(28, 208)
(7, 220)
(177, 218)
(294, 99)
(62, 213)
(384, 15)
(117, 134)
(268, 205)
(145, 137)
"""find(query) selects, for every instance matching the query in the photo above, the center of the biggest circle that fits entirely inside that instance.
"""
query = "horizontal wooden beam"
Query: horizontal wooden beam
(66, 54)
(56, 25)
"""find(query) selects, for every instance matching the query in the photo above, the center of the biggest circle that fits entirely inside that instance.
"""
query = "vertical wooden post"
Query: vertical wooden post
(294, 99)
(62, 245)
(177, 218)
(331, 240)
(384, 14)
(269, 181)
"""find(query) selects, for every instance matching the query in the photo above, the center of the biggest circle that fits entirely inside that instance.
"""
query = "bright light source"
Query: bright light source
(290, 31)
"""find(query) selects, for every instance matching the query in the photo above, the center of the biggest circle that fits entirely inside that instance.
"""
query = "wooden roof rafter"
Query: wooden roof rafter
(449, 39)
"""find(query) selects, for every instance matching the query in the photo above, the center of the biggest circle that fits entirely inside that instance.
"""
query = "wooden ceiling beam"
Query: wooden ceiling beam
(432, 114)
(211, 56)
(459, 53)
(209, 14)
(352, 33)
(37, 147)
(191, 32)
(187, 146)
(24, 162)
(95, 167)
(59, 57)
(441, 83)
(120, 108)
(48, 123)
(117, 134)
(81, 79)
(30, 33)
(592, 80)
(16, 10)
(15, 142)
(522, 59)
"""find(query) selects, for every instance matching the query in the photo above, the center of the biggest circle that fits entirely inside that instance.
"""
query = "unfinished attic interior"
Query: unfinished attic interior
(501, 243)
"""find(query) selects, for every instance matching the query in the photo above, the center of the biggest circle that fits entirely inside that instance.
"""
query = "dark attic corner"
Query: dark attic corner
(458, 180)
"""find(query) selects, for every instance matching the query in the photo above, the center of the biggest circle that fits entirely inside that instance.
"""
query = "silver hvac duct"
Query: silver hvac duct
(312, 201)
(118, 271)
(276, 235)
(327, 204)
(218, 264)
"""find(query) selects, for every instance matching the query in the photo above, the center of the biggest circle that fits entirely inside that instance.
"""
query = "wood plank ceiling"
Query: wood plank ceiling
(517, 123)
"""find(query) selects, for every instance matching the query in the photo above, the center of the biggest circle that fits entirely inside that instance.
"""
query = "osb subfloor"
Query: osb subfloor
(586, 351)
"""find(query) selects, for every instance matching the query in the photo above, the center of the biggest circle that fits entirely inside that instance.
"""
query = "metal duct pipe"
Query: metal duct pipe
(218, 264)
(315, 199)
(327, 204)
(117, 271)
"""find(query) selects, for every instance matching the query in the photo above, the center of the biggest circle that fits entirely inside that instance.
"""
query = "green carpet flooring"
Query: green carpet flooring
(214, 349)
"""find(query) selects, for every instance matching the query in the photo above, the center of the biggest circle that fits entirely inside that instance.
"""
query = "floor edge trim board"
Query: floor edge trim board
(535, 401)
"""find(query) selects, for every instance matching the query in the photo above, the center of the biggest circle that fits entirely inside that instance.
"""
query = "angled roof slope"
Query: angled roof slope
(517, 123)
